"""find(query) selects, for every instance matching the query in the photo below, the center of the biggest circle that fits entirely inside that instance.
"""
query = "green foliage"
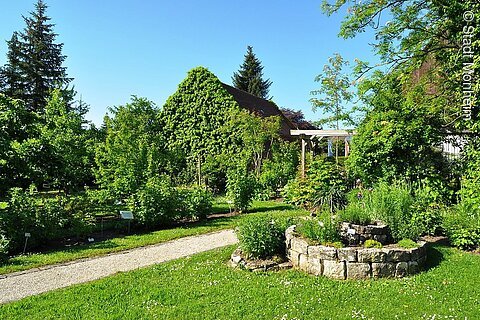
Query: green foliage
(262, 236)
(196, 202)
(4, 244)
(158, 203)
(322, 230)
(462, 226)
(334, 92)
(133, 150)
(69, 163)
(392, 204)
(370, 243)
(396, 139)
(45, 218)
(250, 76)
(355, 212)
(241, 188)
(280, 168)
(155, 203)
(324, 185)
(407, 244)
(194, 118)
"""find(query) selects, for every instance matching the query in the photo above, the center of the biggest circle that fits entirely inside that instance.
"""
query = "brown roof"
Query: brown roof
(261, 107)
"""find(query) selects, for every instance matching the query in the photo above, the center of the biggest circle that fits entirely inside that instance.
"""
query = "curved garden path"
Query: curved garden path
(23, 284)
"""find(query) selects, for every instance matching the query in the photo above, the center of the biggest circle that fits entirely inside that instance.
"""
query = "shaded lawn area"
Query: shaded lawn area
(30, 261)
(204, 287)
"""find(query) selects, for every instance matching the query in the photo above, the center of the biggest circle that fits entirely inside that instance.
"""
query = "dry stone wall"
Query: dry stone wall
(353, 262)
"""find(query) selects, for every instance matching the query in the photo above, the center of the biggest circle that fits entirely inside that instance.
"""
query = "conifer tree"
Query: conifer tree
(35, 62)
(250, 76)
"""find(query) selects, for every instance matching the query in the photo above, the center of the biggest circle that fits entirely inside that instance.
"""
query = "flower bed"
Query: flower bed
(354, 262)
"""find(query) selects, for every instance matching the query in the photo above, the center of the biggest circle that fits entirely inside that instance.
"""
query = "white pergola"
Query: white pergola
(308, 135)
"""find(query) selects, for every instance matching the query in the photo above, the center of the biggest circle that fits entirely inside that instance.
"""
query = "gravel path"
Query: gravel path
(24, 284)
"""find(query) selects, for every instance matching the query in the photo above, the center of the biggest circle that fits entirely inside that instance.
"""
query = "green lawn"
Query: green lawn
(204, 287)
(20, 263)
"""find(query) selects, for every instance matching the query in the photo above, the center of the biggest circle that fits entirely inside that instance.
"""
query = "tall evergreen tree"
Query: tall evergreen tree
(35, 62)
(250, 76)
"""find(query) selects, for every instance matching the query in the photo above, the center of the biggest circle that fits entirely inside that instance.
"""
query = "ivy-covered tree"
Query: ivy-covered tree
(249, 77)
(35, 62)
(194, 119)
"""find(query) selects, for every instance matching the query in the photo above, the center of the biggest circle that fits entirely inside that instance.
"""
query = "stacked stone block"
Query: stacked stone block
(353, 262)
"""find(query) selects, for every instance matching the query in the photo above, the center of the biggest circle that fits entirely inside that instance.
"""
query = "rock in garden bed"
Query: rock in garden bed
(239, 260)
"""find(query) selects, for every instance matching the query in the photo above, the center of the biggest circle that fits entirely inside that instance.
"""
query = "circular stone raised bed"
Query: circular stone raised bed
(354, 262)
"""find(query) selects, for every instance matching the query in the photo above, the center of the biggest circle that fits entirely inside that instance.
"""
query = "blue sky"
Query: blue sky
(119, 48)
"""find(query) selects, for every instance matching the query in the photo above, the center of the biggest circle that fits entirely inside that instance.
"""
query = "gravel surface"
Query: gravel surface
(24, 284)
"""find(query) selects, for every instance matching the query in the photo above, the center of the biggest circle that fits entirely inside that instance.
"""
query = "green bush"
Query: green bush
(195, 203)
(322, 230)
(370, 243)
(4, 243)
(324, 186)
(155, 203)
(241, 188)
(462, 226)
(44, 217)
(279, 169)
(262, 236)
(407, 244)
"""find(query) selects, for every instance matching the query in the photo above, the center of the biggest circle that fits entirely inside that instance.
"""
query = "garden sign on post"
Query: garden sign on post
(127, 215)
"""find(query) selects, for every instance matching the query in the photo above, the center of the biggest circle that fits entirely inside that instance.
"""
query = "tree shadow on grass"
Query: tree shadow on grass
(434, 257)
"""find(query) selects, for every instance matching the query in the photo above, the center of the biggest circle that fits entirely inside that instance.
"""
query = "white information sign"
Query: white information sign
(127, 215)
(351, 231)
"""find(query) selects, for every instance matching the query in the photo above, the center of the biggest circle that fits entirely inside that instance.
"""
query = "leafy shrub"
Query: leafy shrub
(155, 203)
(262, 236)
(322, 230)
(4, 243)
(370, 243)
(407, 244)
(241, 188)
(462, 226)
(280, 169)
(45, 218)
(195, 203)
(324, 186)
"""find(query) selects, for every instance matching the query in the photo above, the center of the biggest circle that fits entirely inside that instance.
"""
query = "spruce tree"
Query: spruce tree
(35, 62)
(250, 76)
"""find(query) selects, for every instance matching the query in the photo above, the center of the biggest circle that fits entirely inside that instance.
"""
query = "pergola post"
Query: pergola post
(303, 155)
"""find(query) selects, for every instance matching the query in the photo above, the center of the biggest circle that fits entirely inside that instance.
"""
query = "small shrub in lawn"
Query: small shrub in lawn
(370, 243)
(155, 203)
(407, 244)
(195, 202)
(262, 236)
(241, 188)
(322, 230)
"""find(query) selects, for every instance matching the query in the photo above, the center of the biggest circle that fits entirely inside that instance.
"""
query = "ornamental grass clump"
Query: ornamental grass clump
(262, 237)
